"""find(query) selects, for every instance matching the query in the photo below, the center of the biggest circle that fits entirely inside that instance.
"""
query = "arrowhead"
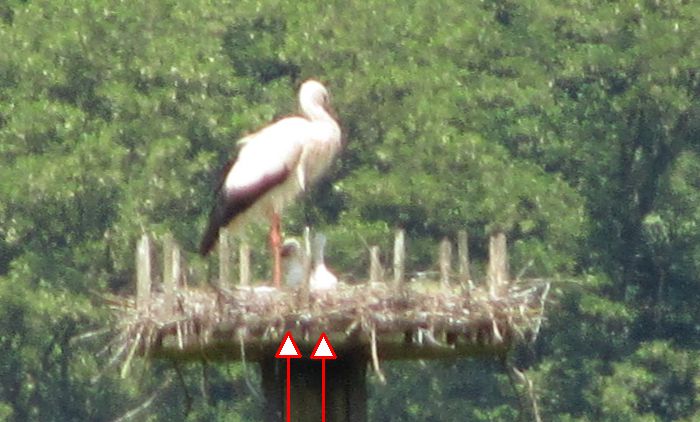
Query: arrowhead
(288, 348)
(323, 349)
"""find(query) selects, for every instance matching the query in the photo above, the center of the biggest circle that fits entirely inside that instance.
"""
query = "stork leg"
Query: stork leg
(276, 244)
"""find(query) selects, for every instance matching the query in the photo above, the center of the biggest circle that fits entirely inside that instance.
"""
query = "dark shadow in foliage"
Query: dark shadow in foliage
(80, 88)
(433, 392)
(250, 46)
(7, 13)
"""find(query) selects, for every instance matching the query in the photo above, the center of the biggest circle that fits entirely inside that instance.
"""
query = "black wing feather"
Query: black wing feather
(230, 204)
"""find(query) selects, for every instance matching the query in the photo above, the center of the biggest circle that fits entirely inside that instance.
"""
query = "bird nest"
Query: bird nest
(419, 320)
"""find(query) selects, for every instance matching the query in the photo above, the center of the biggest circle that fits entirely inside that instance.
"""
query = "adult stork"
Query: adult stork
(273, 166)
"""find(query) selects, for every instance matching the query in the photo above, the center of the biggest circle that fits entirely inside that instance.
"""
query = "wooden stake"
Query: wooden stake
(463, 256)
(225, 247)
(168, 245)
(498, 264)
(244, 263)
(177, 267)
(172, 269)
(375, 266)
(143, 273)
(445, 261)
(399, 257)
(306, 282)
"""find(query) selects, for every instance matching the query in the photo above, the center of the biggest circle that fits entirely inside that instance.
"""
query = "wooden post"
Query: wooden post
(306, 281)
(445, 261)
(244, 263)
(375, 266)
(399, 257)
(346, 391)
(463, 256)
(225, 254)
(172, 269)
(143, 273)
(177, 268)
(498, 264)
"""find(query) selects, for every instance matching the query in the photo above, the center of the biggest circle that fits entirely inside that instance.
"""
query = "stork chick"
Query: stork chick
(321, 277)
(293, 265)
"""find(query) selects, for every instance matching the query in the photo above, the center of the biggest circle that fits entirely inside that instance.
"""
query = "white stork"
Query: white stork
(293, 263)
(273, 166)
(321, 278)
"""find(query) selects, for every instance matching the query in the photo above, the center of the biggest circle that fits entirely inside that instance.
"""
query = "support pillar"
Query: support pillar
(346, 390)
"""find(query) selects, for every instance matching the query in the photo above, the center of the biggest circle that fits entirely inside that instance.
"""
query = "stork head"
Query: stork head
(312, 96)
(312, 91)
(291, 249)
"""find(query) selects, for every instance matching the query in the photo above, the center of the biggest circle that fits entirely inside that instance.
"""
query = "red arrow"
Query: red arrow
(323, 350)
(288, 349)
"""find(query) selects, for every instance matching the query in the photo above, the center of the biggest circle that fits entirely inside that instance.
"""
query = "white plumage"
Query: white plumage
(273, 166)
(293, 264)
(321, 278)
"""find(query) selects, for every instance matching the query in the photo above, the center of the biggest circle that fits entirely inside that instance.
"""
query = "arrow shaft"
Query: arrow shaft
(289, 391)
(323, 390)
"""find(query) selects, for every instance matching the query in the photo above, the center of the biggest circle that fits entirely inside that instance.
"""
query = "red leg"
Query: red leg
(276, 244)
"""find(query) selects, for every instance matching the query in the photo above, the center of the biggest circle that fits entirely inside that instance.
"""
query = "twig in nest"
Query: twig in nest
(203, 386)
(496, 332)
(131, 414)
(540, 317)
(179, 335)
(181, 380)
(127, 362)
(121, 339)
(528, 405)
(429, 338)
(352, 328)
(375, 358)
(524, 269)
(149, 340)
(88, 335)
(112, 361)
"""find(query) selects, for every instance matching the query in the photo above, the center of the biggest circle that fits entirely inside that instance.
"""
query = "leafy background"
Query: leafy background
(574, 126)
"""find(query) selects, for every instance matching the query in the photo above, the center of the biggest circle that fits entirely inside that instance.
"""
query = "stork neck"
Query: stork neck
(317, 251)
(317, 257)
(316, 112)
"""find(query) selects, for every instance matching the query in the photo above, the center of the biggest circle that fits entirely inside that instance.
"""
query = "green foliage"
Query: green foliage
(479, 395)
(572, 126)
(657, 382)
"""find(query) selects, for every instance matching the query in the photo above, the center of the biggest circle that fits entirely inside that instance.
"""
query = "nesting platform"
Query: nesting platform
(420, 321)
(365, 323)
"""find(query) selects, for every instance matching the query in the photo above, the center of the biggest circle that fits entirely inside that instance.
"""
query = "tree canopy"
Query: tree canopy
(572, 126)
